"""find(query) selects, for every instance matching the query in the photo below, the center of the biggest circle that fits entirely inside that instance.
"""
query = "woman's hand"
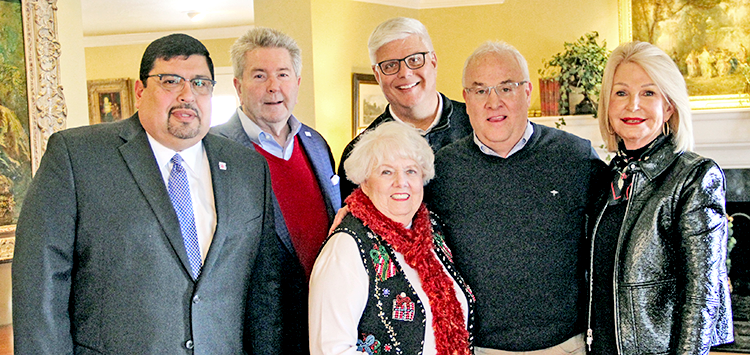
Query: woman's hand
(343, 211)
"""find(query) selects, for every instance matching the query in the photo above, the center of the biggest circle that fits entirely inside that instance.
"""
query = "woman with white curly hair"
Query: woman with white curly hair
(384, 281)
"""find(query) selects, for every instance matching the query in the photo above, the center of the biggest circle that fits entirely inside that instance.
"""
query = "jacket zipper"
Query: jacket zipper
(589, 331)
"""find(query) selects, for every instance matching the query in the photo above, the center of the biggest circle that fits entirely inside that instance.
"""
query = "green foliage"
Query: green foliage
(12, 67)
(581, 66)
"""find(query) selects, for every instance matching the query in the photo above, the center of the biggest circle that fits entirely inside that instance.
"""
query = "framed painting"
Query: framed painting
(110, 100)
(368, 101)
(32, 105)
(709, 42)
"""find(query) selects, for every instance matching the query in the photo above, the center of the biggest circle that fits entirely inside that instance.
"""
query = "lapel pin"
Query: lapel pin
(554, 192)
(308, 134)
(222, 165)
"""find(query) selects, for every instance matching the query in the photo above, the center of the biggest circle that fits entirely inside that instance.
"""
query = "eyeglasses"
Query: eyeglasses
(175, 83)
(392, 66)
(503, 90)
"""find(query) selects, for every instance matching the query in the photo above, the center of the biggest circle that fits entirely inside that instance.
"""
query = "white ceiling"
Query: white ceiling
(105, 21)
(115, 17)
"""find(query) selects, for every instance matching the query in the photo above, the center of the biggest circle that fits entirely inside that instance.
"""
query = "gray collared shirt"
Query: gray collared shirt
(266, 141)
(521, 142)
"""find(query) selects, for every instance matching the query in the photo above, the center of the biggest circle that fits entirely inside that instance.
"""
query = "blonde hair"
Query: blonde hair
(668, 79)
(387, 142)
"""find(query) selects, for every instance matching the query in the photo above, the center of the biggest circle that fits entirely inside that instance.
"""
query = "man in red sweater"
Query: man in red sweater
(267, 66)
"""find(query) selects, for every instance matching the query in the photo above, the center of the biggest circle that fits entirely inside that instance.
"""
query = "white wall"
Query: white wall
(722, 135)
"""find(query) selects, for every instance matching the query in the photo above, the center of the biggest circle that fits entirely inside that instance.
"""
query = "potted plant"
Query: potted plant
(581, 66)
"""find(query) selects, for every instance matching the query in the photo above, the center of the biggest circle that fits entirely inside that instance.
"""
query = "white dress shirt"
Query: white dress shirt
(339, 288)
(201, 187)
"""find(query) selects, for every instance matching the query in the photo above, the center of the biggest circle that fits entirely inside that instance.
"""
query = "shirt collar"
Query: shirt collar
(521, 142)
(265, 140)
(435, 121)
(192, 157)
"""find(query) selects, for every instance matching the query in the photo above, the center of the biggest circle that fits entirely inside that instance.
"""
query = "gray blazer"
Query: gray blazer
(100, 265)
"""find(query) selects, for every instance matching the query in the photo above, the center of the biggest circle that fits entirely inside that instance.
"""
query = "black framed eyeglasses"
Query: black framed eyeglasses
(413, 61)
(174, 83)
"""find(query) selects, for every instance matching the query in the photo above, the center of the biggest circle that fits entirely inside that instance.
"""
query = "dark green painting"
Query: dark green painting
(15, 158)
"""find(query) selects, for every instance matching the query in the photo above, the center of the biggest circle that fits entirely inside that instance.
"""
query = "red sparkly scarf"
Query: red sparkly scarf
(416, 244)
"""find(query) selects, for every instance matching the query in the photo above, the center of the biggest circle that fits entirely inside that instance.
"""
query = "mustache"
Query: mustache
(186, 106)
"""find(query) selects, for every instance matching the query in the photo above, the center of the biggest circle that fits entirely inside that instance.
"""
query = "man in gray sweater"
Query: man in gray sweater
(514, 197)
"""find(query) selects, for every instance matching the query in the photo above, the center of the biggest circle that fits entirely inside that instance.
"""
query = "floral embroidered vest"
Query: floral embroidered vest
(393, 321)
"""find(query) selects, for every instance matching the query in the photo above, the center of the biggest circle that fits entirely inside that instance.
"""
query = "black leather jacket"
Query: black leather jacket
(671, 293)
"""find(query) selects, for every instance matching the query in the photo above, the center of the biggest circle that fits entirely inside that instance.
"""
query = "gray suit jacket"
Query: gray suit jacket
(295, 281)
(100, 265)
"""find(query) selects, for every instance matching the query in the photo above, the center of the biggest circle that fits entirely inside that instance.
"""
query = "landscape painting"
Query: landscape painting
(708, 39)
(15, 156)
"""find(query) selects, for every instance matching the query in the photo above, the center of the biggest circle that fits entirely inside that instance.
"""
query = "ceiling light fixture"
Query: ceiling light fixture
(195, 16)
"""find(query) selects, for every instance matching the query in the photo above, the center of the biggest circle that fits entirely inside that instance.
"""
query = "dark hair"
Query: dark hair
(168, 47)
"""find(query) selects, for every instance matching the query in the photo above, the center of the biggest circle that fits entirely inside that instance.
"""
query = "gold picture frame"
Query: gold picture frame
(697, 102)
(110, 100)
(368, 101)
(46, 103)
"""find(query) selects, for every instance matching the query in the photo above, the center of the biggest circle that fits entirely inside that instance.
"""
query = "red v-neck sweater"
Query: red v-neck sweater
(301, 202)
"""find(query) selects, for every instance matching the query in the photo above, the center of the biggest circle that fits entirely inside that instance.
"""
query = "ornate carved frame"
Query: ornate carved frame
(47, 110)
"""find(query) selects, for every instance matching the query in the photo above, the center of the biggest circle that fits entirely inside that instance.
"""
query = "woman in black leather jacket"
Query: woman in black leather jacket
(658, 244)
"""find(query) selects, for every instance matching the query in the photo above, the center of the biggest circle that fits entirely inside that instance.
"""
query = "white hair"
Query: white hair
(497, 48)
(387, 142)
(395, 29)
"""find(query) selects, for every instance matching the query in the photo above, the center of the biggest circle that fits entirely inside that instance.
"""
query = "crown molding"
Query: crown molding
(147, 37)
(432, 4)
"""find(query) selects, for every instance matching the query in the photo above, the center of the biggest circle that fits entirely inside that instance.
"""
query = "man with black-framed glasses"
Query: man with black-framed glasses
(405, 66)
(148, 235)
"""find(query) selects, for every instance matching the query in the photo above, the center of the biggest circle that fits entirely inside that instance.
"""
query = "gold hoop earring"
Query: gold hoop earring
(665, 129)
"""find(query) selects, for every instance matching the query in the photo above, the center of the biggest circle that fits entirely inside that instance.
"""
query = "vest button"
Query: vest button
(189, 344)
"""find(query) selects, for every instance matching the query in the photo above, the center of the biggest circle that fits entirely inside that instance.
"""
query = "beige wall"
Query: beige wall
(333, 36)
(537, 28)
(112, 62)
(72, 72)
(340, 45)
(295, 20)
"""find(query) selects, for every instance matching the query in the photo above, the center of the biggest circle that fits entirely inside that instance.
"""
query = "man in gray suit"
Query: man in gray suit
(267, 67)
(147, 236)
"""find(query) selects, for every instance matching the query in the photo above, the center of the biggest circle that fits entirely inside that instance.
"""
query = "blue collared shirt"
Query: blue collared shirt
(521, 142)
(266, 141)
